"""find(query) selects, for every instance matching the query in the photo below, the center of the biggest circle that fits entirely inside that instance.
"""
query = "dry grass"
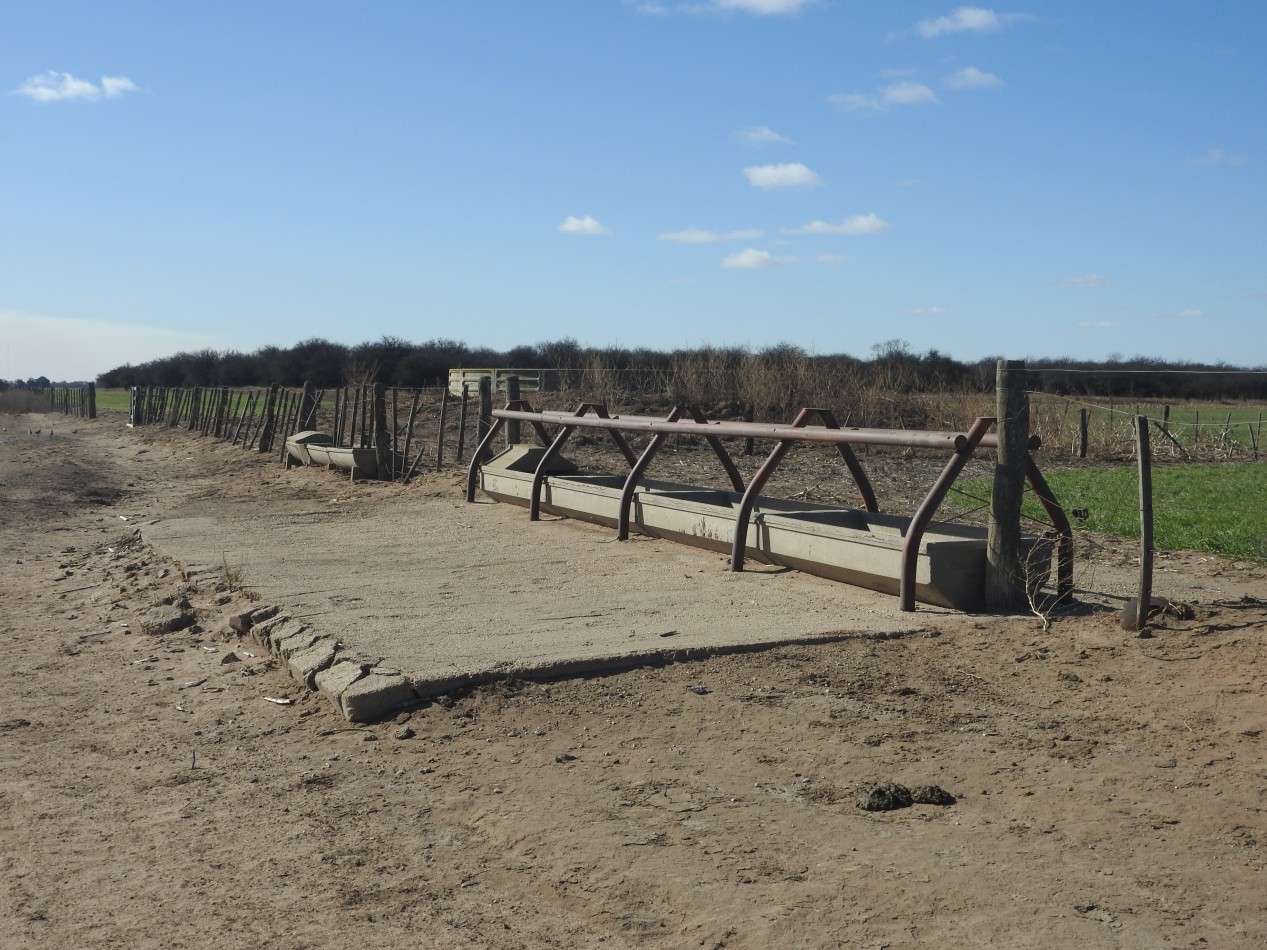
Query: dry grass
(17, 401)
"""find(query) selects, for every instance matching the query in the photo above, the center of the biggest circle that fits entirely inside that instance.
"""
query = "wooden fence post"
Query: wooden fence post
(512, 425)
(1144, 594)
(466, 395)
(307, 420)
(383, 439)
(444, 409)
(1005, 575)
(749, 413)
(1082, 433)
(484, 420)
(270, 419)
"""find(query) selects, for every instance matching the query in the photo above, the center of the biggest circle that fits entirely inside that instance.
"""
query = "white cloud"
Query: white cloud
(787, 175)
(904, 92)
(828, 258)
(1216, 156)
(761, 135)
(972, 78)
(752, 259)
(586, 225)
(1083, 281)
(962, 20)
(1097, 324)
(925, 312)
(700, 236)
(869, 223)
(763, 7)
(63, 87)
(1189, 314)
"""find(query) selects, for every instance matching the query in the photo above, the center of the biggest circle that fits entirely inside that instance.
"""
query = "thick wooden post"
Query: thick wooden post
(512, 425)
(1005, 574)
(1082, 433)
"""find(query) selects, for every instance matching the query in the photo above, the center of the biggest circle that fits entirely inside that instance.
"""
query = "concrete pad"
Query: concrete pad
(455, 594)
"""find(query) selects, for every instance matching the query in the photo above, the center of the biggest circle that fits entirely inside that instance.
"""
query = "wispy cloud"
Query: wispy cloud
(1189, 314)
(763, 7)
(700, 236)
(1083, 281)
(63, 87)
(704, 7)
(586, 225)
(972, 78)
(869, 223)
(925, 312)
(786, 175)
(904, 92)
(966, 20)
(1097, 324)
(828, 258)
(761, 135)
(1216, 156)
(752, 259)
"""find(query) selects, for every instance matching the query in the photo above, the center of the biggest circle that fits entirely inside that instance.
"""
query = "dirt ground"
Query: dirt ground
(1109, 789)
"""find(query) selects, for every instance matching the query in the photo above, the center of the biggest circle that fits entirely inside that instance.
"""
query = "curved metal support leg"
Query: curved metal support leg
(635, 476)
(477, 459)
(539, 476)
(1059, 521)
(920, 521)
(753, 492)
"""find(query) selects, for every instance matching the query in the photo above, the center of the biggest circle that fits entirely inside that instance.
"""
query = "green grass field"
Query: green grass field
(1221, 509)
(113, 400)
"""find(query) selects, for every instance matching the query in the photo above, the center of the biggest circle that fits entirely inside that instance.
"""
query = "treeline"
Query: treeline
(721, 373)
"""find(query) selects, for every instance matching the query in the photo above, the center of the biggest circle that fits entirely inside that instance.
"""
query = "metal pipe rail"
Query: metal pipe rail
(961, 445)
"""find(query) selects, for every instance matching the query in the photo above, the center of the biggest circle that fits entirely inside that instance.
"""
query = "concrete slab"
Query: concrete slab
(454, 594)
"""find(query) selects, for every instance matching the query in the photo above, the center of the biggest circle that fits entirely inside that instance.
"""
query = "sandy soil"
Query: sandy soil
(1110, 789)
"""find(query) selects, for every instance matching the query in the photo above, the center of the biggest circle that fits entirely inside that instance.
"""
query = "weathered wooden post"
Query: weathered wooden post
(270, 419)
(382, 437)
(512, 425)
(484, 422)
(1005, 580)
(444, 411)
(1144, 597)
(307, 420)
(1082, 433)
(466, 395)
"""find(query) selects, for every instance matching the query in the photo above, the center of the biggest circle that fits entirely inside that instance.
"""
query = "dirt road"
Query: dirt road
(1109, 790)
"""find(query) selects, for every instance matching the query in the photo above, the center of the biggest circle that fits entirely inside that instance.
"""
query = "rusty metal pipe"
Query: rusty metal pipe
(913, 438)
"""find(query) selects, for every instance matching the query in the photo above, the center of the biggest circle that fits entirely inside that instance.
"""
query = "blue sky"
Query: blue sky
(1034, 179)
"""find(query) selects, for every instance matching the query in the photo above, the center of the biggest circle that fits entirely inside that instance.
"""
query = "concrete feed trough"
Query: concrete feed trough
(845, 544)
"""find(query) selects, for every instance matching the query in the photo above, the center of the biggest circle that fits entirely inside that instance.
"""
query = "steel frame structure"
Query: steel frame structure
(960, 445)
